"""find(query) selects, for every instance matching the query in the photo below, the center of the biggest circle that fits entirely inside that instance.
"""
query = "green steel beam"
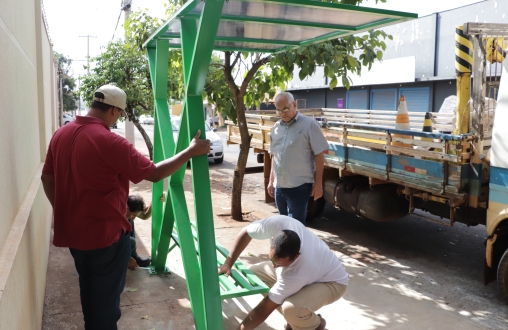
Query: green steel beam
(158, 155)
(165, 139)
(196, 65)
(181, 143)
(242, 281)
(184, 10)
(190, 259)
(208, 25)
(160, 88)
(188, 38)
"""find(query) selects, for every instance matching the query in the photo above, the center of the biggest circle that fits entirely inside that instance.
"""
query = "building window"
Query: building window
(383, 99)
(357, 100)
(417, 99)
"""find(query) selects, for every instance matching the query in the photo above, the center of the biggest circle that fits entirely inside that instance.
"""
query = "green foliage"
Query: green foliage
(68, 83)
(217, 90)
(339, 57)
(264, 84)
(139, 27)
(173, 5)
(125, 64)
(125, 67)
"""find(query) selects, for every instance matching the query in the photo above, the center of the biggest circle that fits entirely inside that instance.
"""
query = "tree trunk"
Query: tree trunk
(141, 130)
(145, 136)
(236, 194)
(239, 93)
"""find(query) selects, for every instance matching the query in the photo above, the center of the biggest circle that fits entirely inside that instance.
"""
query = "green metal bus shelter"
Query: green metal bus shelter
(199, 28)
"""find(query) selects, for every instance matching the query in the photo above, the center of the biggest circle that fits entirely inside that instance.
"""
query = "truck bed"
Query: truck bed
(364, 142)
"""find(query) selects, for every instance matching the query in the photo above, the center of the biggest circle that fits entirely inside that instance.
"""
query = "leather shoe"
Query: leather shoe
(142, 262)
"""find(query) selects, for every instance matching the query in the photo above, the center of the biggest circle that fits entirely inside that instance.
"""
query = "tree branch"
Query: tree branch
(217, 65)
(251, 73)
(141, 105)
(227, 74)
(238, 54)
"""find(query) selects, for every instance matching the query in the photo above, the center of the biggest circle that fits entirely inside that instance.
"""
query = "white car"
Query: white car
(66, 119)
(216, 148)
(148, 120)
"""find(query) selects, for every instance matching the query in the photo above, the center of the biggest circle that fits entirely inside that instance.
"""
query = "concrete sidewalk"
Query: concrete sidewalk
(372, 300)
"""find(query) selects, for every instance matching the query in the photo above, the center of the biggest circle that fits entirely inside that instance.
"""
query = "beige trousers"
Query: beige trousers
(298, 309)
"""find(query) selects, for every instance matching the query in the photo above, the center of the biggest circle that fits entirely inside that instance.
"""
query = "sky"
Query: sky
(69, 20)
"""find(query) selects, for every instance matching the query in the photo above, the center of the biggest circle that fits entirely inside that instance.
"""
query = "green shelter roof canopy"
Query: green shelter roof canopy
(278, 25)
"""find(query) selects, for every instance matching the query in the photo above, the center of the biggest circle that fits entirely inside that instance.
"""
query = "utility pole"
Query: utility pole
(79, 85)
(88, 51)
(129, 125)
(79, 96)
(60, 96)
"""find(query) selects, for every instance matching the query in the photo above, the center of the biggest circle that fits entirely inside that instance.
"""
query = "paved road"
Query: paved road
(443, 264)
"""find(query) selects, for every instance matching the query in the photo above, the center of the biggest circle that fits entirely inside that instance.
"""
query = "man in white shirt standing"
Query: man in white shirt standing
(303, 273)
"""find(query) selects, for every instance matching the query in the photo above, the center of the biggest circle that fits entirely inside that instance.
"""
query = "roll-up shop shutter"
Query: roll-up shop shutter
(383, 99)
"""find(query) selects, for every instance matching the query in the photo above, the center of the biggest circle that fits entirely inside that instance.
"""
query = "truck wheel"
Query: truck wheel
(315, 208)
(502, 276)
(260, 158)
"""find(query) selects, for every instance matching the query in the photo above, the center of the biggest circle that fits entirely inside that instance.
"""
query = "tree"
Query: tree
(68, 83)
(125, 65)
(127, 68)
(265, 72)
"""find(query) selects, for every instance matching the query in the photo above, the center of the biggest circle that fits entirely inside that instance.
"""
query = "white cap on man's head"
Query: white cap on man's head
(111, 95)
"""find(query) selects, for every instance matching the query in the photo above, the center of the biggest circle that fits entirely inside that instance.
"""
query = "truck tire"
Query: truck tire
(502, 276)
(260, 158)
(315, 208)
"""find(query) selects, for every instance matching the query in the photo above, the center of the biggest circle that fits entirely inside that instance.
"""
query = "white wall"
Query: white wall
(28, 113)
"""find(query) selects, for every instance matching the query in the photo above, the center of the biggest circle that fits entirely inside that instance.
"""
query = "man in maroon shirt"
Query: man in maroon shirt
(86, 179)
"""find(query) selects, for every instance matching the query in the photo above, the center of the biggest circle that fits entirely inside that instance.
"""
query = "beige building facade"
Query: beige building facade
(29, 117)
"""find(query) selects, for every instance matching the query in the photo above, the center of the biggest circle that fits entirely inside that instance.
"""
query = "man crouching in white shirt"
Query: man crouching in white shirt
(303, 273)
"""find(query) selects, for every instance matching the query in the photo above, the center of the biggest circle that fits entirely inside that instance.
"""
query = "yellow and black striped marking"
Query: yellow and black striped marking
(496, 50)
(463, 52)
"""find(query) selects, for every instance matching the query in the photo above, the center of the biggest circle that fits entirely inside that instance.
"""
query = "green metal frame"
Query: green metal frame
(389, 17)
(170, 220)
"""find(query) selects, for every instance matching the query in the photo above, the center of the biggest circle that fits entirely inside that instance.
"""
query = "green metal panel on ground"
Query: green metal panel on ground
(198, 28)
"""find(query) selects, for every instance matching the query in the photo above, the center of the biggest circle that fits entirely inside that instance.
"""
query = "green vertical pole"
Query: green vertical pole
(164, 227)
(189, 257)
(196, 68)
(192, 265)
(158, 155)
(163, 122)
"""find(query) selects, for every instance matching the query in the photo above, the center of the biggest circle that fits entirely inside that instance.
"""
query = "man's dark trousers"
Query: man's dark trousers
(293, 201)
(101, 281)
